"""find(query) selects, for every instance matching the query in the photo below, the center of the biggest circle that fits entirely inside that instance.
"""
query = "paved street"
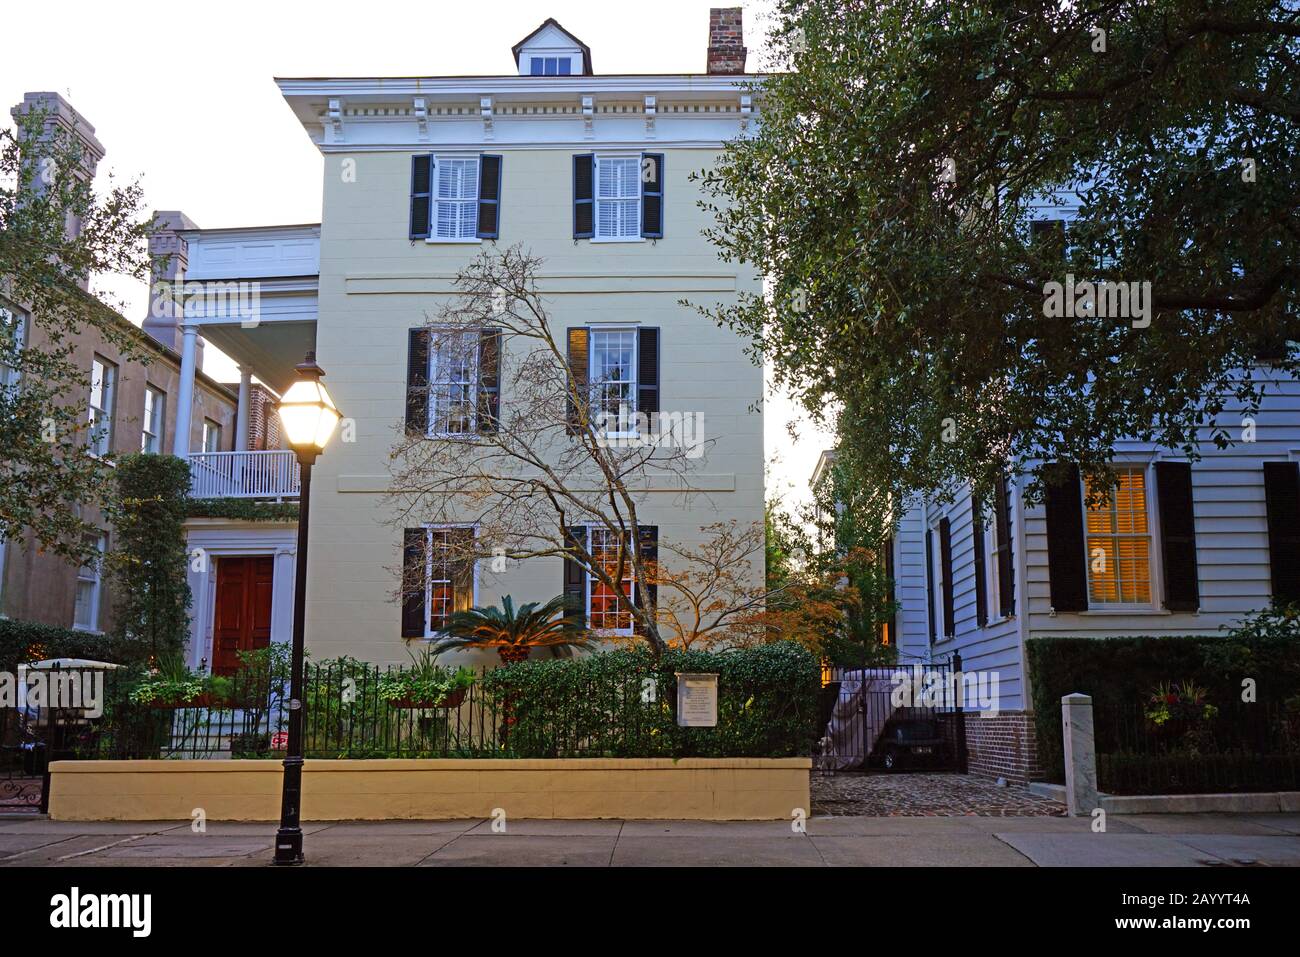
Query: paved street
(1026, 841)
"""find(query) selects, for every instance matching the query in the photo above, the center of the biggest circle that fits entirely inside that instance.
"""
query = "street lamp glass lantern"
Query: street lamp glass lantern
(307, 412)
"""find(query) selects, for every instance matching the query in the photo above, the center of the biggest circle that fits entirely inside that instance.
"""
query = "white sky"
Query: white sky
(185, 101)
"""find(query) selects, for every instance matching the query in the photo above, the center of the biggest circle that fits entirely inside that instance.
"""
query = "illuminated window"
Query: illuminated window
(605, 612)
(451, 574)
(1119, 543)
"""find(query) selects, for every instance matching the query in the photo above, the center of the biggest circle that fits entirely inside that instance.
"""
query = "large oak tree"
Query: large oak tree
(887, 194)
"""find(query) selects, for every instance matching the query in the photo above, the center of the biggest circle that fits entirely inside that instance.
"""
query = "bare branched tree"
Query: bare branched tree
(512, 435)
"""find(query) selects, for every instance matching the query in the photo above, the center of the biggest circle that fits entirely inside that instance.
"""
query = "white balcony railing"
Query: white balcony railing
(271, 474)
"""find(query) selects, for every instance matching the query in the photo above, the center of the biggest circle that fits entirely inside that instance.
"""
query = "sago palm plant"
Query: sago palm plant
(513, 633)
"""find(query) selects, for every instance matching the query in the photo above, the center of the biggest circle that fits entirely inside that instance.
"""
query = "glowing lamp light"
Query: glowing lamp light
(307, 412)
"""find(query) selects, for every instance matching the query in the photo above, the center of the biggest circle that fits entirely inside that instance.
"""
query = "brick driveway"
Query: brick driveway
(923, 794)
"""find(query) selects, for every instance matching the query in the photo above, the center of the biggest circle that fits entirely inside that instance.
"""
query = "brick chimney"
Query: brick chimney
(726, 41)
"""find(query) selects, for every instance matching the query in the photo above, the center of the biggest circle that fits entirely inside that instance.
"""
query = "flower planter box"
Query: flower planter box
(453, 700)
(201, 701)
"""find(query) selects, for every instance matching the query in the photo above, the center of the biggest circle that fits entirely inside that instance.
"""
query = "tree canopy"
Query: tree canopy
(888, 192)
(56, 233)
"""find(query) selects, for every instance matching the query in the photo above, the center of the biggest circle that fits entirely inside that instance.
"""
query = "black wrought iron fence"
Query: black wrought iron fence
(624, 711)
(1241, 747)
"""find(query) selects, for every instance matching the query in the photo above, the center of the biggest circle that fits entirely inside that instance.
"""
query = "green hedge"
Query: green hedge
(22, 641)
(623, 704)
(242, 509)
(1120, 673)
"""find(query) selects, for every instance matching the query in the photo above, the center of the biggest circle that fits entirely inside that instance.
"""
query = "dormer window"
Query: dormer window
(551, 50)
(551, 66)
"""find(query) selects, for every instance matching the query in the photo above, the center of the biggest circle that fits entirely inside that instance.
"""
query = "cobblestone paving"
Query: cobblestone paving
(924, 795)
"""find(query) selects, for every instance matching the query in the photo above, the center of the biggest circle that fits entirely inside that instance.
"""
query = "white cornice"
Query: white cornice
(469, 87)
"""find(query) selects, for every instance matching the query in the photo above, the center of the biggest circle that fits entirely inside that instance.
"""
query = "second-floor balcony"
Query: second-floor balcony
(269, 475)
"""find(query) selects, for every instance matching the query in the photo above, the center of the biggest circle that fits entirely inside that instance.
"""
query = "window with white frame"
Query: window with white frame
(604, 610)
(103, 392)
(455, 197)
(211, 436)
(450, 574)
(85, 615)
(618, 197)
(151, 427)
(453, 382)
(613, 379)
(13, 327)
(1119, 542)
(550, 66)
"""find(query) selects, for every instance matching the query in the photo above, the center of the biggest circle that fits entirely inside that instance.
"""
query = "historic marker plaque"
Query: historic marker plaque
(697, 700)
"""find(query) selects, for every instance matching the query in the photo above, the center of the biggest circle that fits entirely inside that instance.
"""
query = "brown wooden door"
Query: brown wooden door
(242, 621)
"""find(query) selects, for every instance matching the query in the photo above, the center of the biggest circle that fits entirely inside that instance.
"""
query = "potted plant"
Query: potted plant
(171, 684)
(425, 684)
(1178, 711)
(513, 634)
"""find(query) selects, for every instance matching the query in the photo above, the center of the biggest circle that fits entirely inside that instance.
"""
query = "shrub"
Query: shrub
(1119, 673)
(148, 564)
(22, 641)
(623, 704)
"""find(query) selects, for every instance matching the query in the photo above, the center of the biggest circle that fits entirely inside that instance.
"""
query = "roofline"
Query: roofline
(381, 81)
(245, 229)
(552, 22)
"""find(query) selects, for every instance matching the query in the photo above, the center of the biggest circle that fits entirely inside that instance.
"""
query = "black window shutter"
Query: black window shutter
(647, 373)
(584, 184)
(577, 354)
(652, 195)
(1282, 500)
(945, 565)
(1065, 545)
(489, 196)
(981, 584)
(489, 380)
(1177, 535)
(413, 583)
(1002, 529)
(417, 382)
(648, 551)
(421, 179)
(575, 575)
(929, 583)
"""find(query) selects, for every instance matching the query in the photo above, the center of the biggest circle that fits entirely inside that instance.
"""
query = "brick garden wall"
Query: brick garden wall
(1002, 746)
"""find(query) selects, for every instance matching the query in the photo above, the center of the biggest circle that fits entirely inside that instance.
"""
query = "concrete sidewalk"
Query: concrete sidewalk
(1148, 840)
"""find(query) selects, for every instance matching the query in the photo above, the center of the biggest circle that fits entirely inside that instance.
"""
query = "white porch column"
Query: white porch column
(185, 395)
(241, 414)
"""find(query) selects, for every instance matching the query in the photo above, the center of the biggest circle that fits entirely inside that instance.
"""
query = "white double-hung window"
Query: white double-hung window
(605, 613)
(151, 428)
(85, 615)
(455, 198)
(453, 382)
(103, 392)
(1119, 542)
(613, 379)
(618, 197)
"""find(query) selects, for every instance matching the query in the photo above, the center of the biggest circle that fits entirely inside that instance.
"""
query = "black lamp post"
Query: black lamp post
(309, 417)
